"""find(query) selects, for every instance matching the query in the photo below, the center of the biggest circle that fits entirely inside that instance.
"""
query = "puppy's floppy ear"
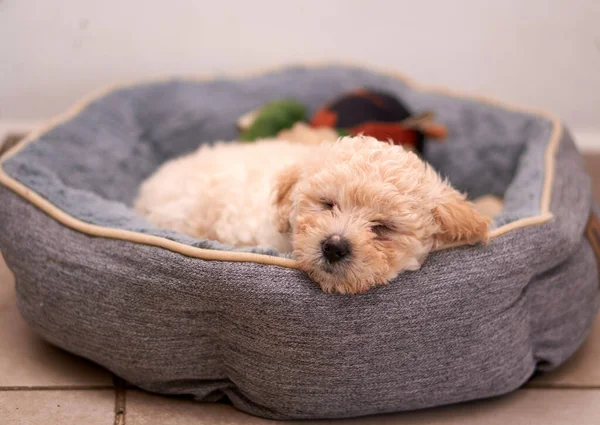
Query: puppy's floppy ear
(458, 220)
(284, 185)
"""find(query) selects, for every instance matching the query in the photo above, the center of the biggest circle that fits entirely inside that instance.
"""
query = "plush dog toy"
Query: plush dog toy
(269, 120)
(379, 115)
(369, 112)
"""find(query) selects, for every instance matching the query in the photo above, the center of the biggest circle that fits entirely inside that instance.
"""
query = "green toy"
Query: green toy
(271, 119)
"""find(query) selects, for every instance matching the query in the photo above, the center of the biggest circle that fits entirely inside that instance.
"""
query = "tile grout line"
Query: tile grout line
(58, 388)
(591, 387)
(120, 398)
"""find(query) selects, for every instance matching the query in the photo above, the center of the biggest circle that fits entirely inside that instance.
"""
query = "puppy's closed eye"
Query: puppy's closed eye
(328, 204)
(382, 230)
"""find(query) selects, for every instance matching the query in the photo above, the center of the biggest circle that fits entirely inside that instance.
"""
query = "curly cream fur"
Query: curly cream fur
(292, 196)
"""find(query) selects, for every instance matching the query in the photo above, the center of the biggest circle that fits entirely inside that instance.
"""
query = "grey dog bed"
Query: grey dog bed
(174, 315)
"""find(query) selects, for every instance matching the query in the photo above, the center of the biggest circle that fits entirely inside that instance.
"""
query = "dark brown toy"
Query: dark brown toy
(380, 115)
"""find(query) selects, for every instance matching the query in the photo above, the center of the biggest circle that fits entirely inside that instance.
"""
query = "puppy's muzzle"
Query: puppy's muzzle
(335, 248)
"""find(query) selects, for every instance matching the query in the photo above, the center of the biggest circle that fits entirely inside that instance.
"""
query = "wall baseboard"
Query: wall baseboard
(587, 141)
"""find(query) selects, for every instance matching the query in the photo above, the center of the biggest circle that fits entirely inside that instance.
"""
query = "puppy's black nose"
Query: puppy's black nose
(335, 248)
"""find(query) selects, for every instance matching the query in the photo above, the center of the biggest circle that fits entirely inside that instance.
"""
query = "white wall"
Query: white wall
(540, 53)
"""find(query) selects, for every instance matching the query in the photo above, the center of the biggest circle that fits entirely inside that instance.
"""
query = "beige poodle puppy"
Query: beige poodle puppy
(355, 212)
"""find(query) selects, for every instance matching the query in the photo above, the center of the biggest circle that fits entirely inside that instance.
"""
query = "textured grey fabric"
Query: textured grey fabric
(86, 166)
(474, 322)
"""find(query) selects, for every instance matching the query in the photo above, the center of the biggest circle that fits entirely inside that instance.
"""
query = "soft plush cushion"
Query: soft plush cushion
(176, 315)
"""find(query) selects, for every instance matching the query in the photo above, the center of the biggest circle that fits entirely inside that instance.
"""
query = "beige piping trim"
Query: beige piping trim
(216, 255)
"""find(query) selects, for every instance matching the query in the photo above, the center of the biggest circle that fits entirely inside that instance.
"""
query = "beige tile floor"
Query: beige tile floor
(40, 384)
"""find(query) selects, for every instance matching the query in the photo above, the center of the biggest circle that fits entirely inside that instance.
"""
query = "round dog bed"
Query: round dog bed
(174, 315)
